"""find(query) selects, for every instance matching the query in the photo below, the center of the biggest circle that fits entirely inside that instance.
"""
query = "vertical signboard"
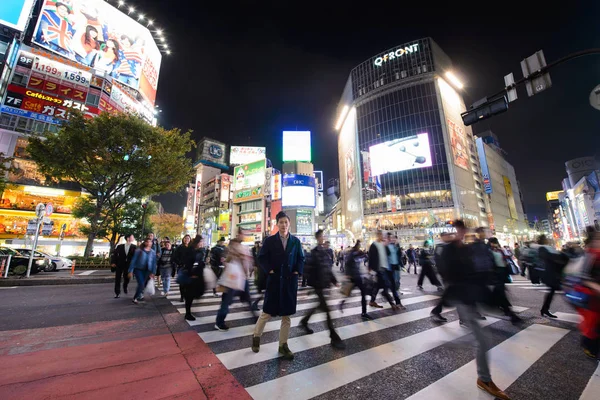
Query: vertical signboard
(510, 198)
(304, 222)
(485, 171)
(458, 144)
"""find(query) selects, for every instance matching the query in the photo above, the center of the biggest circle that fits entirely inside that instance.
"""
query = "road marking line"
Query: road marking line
(508, 361)
(325, 377)
(87, 273)
(592, 389)
(246, 330)
(568, 317)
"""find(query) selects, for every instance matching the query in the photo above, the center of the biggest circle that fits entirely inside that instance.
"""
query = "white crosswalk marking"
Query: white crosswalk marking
(325, 377)
(385, 345)
(85, 273)
(592, 390)
(242, 331)
(509, 360)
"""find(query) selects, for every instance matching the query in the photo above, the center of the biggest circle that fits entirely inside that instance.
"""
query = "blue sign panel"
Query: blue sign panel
(487, 182)
(298, 180)
(29, 114)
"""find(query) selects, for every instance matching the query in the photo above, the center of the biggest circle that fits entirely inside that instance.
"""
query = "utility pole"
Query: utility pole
(40, 210)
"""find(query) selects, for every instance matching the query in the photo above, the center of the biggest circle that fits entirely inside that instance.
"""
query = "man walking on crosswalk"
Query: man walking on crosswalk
(466, 291)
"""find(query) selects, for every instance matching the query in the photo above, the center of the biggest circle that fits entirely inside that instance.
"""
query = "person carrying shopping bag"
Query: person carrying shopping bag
(143, 266)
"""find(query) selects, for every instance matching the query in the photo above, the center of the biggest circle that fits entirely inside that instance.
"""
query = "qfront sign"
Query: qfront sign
(379, 61)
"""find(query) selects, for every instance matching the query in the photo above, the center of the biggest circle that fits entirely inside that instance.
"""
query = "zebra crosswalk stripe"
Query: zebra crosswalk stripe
(215, 336)
(592, 390)
(328, 376)
(509, 360)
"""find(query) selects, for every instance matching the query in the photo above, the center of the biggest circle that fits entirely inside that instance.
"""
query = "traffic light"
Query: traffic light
(485, 110)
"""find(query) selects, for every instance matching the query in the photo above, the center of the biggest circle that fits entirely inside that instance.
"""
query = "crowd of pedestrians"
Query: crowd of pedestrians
(474, 277)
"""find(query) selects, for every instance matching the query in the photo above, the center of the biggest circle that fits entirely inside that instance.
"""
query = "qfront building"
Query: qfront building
(407, 162)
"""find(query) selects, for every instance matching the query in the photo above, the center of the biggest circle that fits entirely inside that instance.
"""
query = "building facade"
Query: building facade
(407, 162)
(43, 76)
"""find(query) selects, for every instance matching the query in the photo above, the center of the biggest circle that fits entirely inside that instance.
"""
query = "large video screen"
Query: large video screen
(95, 34)
(400, 154)
(15, 13)
(296, 146)
(298, 191)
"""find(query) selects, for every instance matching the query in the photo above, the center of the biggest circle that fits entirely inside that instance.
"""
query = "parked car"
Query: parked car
(53, 262)
(19, 262)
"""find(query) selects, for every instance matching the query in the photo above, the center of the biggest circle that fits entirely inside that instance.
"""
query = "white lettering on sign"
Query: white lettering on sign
(396, 54)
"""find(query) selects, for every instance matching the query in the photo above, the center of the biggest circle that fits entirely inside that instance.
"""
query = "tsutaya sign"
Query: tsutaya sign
(396, 54)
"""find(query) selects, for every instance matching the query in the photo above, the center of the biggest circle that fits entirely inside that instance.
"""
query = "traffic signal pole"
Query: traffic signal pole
(483, 107)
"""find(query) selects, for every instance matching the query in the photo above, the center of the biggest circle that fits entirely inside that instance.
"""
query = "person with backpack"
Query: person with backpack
(554, 263)
(590, 288)
(217, 257)
(353, 260)
(320, 277)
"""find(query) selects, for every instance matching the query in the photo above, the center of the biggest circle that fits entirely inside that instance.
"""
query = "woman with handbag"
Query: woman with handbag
(179, 257)
(191, 276)
(234, 281)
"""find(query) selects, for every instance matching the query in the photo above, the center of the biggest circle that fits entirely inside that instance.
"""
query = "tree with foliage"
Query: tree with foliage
(113, 225)
(4, 168)
(115, 158)
(170, 225)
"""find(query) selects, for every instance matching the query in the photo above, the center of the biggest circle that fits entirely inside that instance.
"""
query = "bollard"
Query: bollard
(73, 267)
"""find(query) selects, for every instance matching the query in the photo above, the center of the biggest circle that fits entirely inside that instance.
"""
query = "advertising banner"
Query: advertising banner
(296, 146)
(15, 13)
(298, 191)
(212, 153)
(225, 188)
(401, 154)
(351, 196)
(244, 195)
(459, 145)
(95, 34)
(512, 207)
(240, 155)
(487, 182)
(304, 224)
(350, 168)
(319, 180)
(268, 181)
(224, 223)
(366, 166)
(276, 189)
(250, 175)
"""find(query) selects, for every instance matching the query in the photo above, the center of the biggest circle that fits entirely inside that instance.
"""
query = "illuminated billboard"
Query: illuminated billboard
(95, 34)
(15, 13)
(485, 171)
(298, 191)
(458, 144)
(250, 175)
(245, 154)
(304, 225)
(296, 146)
(400, 154)
(553, 195)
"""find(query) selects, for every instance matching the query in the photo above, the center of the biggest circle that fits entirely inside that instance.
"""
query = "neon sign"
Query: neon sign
(396, 54)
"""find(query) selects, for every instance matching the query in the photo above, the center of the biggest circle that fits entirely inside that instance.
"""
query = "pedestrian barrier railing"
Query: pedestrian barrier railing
(4, 265)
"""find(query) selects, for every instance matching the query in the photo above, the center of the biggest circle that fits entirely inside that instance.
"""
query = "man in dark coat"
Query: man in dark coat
(120, 261)
(282, 259)
(217, 257)
(378, 262)
(321, 277)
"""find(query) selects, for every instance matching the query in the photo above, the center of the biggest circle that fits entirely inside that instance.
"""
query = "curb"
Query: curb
(48, 282)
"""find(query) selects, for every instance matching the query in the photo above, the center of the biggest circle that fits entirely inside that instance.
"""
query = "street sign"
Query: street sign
(31, 225)
(49, 209)
(511, 94)
(40, 210)
(532, 66)
(46, 220)
(595, 98)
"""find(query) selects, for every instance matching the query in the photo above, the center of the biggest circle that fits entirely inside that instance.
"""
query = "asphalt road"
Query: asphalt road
(403, 355)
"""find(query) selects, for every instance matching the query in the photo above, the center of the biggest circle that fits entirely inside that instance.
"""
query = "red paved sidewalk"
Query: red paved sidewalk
(147, 358)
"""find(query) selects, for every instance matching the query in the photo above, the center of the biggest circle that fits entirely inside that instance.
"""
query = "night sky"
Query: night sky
(243, 73)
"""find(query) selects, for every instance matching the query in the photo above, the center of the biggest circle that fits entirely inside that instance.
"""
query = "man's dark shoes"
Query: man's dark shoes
(286, 352)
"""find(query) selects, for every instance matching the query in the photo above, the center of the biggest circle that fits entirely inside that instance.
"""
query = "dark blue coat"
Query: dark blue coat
(281, 293)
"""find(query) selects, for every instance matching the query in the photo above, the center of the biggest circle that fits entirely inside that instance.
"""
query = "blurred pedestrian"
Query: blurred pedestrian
(426, 261)
(143, 266)
(166, 265)
(340, 259)
(554, 263)
(436, 313)
(321, 277)
(394, 260)
(179, 258)
(590, 282)
(411, 254)
(282, 259)
(191, 276)
(217, 257)
(120, 261)
(466, 290)
(500, 276)
(260, 277)
(354, 258)
(238, 259)
(379, 264)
